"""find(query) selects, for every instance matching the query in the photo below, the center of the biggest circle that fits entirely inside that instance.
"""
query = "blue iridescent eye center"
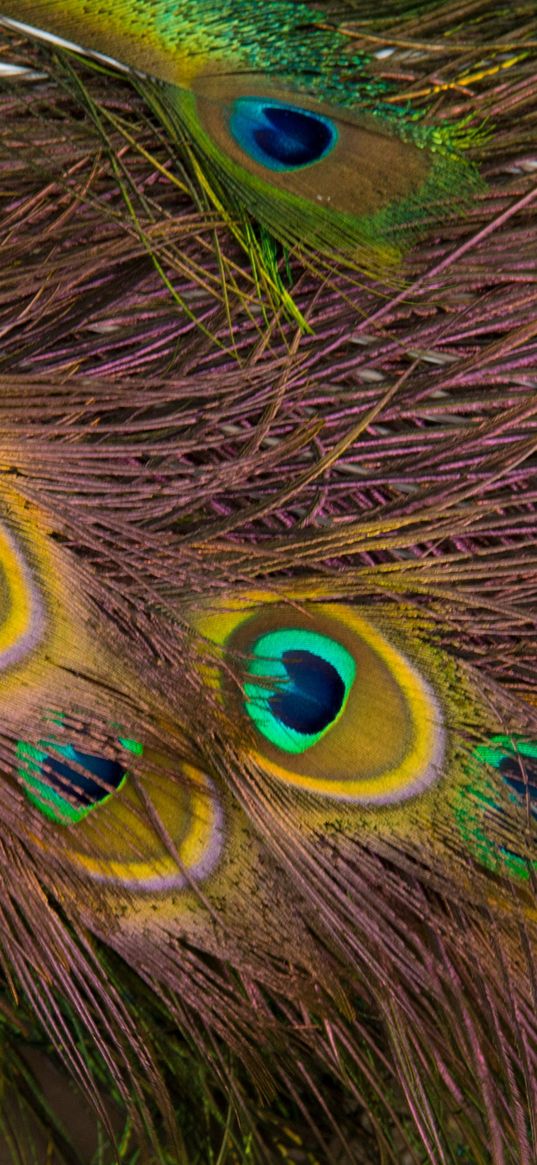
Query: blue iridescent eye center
(510, 769)
(98, 779)
(314, 695)
(281, 136)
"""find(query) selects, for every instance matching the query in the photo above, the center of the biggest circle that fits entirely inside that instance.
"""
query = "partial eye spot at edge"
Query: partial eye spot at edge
(64, 782)
(114, 840)
(479, 811)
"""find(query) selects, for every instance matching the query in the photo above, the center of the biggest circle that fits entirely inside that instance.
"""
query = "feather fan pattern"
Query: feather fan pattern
(268, 496)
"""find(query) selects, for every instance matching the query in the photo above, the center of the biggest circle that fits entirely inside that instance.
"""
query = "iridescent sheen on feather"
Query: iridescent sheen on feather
(280, 118)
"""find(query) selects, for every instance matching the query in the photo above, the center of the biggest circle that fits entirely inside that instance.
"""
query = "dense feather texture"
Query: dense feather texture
(281, 119)
(175, 458)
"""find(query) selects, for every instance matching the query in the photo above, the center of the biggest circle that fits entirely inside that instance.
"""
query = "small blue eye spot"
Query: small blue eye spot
(280, 136)
(99, 776)
(64, 782)
(515, 759)
(525, 789)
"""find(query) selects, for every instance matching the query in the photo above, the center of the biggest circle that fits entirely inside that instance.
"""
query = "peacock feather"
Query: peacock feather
(281, 118)
(268, 490)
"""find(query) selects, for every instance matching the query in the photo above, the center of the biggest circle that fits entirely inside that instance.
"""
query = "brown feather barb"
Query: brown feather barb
(268, 740)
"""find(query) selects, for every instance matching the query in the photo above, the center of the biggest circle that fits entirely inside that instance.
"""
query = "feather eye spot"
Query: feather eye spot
(64, 782)
(337, 709)
(311, 677)
(515, 759)
(280, 136)
(481, 816)
(122, 845)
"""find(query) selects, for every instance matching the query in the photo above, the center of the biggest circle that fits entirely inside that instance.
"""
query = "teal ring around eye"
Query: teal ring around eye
(311, 678)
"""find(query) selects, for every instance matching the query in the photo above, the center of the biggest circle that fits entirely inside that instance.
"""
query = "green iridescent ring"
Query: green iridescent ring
(311, 679)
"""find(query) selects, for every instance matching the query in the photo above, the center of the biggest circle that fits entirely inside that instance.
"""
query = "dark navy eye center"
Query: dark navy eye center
(98, 779)
(314, 695)
(292, 138)
(279, 136)
(66, 783)
(513, 775)
(515, 760)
